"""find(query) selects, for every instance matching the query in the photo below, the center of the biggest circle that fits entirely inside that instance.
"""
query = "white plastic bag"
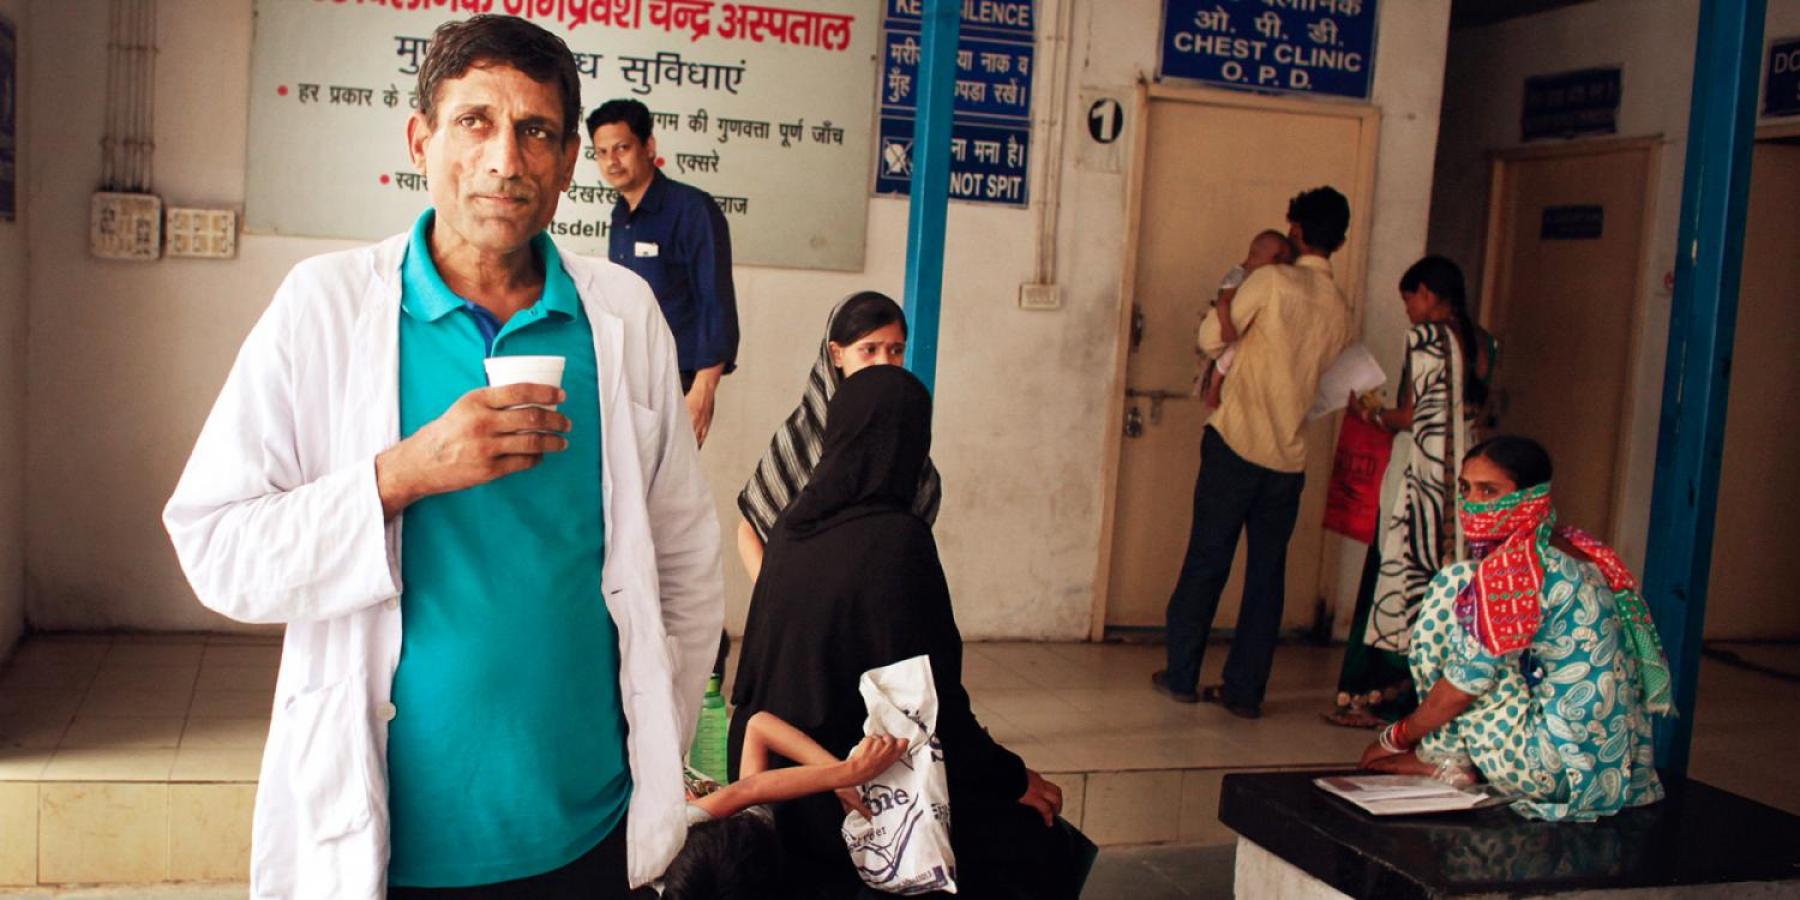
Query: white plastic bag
(905, 849)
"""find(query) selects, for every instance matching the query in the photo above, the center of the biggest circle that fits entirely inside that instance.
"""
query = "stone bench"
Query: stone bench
(1296, 841)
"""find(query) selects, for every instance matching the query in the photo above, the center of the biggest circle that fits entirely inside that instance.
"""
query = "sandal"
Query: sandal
(1353, 716)
(1215, 693)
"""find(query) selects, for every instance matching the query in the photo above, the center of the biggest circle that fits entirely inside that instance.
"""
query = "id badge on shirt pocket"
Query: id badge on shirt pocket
(646, 248)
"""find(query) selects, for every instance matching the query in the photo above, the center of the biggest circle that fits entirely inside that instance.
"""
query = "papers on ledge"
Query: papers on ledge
(1393, 795)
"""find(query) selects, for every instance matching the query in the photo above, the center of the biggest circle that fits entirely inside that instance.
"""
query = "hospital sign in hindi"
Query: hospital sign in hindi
(765, 106)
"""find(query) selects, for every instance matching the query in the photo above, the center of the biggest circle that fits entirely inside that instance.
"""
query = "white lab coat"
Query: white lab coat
(277, 519)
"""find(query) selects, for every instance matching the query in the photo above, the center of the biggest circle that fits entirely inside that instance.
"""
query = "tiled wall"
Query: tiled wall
(114, 832)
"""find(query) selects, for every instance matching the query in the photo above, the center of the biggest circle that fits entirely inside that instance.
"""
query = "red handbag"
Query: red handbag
(1353, 498)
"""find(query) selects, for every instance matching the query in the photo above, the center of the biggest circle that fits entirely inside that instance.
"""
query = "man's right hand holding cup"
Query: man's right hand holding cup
(486, 434)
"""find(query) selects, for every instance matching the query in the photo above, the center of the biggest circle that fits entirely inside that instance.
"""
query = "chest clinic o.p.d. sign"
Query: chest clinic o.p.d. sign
(1290, 46)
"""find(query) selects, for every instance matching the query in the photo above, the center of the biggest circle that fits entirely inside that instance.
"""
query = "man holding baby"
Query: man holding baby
(1291, 322)
(502, 600)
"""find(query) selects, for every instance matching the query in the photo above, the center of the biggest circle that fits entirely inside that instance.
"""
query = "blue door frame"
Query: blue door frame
(941, 23)
(1702, 320)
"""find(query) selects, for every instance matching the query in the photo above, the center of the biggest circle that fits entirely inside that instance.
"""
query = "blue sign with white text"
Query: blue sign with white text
(1296, 46)
(992, 78)
(987, 162)
(991, 117)
(1781, 91)
(1571, 103)
(1017, 18)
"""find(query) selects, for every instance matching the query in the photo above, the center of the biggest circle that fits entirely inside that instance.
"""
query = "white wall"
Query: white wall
(12, 373)
(1021, 422)
(126, 358)
(1409, 87)
(1653, 41)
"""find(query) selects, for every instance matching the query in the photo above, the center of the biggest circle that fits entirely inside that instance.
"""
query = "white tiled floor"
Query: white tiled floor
(1089, 707)
(136, 708)
(135, 758)
(131, 759)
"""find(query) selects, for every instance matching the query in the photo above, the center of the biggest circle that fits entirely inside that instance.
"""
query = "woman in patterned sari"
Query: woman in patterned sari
(1444, 383)
(1536, 657)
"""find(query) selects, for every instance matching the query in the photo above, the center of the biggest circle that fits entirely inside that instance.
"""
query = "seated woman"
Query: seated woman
(851, 582)
(1536, 658)
(866, 329)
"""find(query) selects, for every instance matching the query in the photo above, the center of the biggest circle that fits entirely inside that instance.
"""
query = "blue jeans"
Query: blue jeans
(1233, 495)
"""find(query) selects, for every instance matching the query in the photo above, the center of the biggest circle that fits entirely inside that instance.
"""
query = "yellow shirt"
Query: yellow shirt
(1293, 322)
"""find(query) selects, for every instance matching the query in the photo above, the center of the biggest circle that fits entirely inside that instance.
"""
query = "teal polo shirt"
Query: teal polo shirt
(506, 757)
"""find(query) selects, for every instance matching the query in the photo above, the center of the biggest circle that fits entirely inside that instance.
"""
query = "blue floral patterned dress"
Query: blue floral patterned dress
(1560, 725)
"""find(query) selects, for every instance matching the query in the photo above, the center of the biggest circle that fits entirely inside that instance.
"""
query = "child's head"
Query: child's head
(734, 858)
(1267, 247)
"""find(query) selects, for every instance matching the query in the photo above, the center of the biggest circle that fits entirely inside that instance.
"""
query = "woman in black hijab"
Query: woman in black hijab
(850, 582)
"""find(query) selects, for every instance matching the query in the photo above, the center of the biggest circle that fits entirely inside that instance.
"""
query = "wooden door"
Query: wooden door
(1751, 594)
(1213, 170)
(1566, 250)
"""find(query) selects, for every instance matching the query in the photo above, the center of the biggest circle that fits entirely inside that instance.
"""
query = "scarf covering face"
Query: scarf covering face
(1503, 605)
(875, 448)
(787, 466)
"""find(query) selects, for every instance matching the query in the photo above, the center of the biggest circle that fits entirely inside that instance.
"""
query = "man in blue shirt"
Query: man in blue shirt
(675, 236)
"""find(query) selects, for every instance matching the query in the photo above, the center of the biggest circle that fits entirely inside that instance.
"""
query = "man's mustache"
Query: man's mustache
(516, 192)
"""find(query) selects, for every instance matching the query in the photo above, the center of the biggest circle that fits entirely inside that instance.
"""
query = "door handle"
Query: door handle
(1137, 327)
(1156, 399)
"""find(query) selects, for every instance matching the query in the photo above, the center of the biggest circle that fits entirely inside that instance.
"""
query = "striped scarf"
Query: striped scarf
(793, 452)
(1504, 600)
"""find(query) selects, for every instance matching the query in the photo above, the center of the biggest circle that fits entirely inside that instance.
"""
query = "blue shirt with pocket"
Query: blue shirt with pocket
(678, 240)
(506, 755)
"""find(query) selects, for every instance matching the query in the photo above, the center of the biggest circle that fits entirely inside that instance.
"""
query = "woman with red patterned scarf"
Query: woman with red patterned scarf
(1536, 658)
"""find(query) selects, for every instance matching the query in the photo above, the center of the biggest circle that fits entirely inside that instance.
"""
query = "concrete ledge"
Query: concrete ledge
(1699, 842)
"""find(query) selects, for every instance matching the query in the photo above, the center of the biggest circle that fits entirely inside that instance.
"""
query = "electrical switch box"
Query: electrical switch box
(207, 233)
(1039, 296)
(125, 226)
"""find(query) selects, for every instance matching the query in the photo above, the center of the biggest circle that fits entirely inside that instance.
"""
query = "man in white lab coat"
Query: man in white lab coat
(500, 617)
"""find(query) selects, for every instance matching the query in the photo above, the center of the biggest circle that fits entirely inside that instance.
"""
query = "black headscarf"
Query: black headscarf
(787, 465)
(877, 437)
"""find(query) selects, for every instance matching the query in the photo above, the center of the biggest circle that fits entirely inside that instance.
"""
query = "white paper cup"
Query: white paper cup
(504, 370)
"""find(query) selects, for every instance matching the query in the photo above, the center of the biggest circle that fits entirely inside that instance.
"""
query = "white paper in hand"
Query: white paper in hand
(1355, 371)
(905, 849)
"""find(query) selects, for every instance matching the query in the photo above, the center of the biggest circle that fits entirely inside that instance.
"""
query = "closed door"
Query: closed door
(1563, 303)
(1751, 592)
(1213, 175)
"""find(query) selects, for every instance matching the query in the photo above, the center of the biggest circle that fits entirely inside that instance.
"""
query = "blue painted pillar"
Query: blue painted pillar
(1702, 320)
(942, 20)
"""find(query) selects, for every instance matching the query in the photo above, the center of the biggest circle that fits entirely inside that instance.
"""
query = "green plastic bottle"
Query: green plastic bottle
(707, 756)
